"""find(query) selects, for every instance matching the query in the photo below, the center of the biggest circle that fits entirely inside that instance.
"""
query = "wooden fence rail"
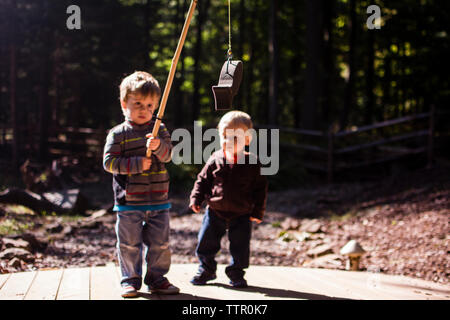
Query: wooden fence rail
(330, 138)
(83, 142)
(383, 124)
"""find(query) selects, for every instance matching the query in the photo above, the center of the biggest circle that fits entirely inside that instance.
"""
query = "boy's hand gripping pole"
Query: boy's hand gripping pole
(173, 67)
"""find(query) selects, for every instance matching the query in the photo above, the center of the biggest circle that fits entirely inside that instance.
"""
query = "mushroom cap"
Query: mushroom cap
(352, 248)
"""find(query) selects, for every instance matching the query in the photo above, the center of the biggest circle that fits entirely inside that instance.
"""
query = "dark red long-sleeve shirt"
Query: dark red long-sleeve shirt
(231, 190)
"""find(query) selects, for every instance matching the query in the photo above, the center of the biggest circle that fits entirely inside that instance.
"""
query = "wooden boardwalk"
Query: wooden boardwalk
(102, 283)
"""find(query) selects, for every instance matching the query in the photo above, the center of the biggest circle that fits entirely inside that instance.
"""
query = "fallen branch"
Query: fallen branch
(60, 202)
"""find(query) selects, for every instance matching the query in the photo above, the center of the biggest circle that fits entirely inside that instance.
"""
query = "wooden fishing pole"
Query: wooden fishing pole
(173, 67)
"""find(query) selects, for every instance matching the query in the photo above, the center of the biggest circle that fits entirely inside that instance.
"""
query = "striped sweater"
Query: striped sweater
(134, 188)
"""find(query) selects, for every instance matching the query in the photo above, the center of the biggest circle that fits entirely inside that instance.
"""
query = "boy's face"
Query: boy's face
(235, 138)
(138, 108)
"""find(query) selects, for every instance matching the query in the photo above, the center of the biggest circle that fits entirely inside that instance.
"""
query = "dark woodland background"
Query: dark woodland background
(309, 67)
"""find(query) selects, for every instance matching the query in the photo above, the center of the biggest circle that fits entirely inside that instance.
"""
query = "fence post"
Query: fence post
(431, 136)
(330, 155)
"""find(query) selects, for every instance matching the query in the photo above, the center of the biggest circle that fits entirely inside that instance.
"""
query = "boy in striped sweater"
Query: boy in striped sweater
(140, 187)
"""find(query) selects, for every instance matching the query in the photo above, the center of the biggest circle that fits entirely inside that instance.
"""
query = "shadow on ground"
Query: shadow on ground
(280, 293)
(269, 292)
(180, 296)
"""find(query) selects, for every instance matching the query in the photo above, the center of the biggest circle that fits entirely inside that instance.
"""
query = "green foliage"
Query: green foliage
(44, 213)
(348, 215)
(12, 226)
(182, 177)
(110, 45)
(276, 224)
(285, 236)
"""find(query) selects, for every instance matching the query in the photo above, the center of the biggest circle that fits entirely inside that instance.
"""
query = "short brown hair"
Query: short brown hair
(139, 82)
(234, 118)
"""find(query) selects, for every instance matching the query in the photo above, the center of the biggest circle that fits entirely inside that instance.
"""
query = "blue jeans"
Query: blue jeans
(134, 228)
(211, 232)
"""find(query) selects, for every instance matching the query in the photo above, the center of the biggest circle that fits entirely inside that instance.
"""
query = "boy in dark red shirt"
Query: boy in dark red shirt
(236, 193)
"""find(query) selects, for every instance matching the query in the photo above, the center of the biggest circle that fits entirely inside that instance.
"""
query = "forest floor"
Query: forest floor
(401, 222)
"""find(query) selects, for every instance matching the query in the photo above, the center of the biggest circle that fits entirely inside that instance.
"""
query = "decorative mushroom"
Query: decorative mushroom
(353, 251)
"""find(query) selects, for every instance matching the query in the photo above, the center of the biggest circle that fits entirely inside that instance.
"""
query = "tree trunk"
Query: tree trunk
(329, 62)
(179, 114)
(240, 52)
(147, 12)
(248, 76)
(203, 10)
(296, 62)
(44, 88)
(56, 81)
(12, 103)
(314, 9)
(273, 54)
(61, 202)
(349, 92)
(369, 114)
(12, 93)
(403, 85)
(396, 93)
(386, 83)
(3, 82)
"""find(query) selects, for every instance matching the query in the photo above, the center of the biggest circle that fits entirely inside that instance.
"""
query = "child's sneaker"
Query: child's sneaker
(202, 277)
(239, 283)
(164, 288)
(129, 292)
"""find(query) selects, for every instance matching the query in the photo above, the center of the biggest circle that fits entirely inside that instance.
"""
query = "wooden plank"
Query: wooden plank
(382, 141)
(305, 132)
(17, 286)
(312, 287)
(4, 278)
(304, 147)
(263, 284)
(45, 285)
(383, 124)
(74, 284)
(389, 286)
(79, 130)
(143, 294)
(104, 283)
(221, 289)
(396, 149)
(69, 142)
(410, 288)
(217, 289)
(361, 286)
(180, 275)
(266, 282)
